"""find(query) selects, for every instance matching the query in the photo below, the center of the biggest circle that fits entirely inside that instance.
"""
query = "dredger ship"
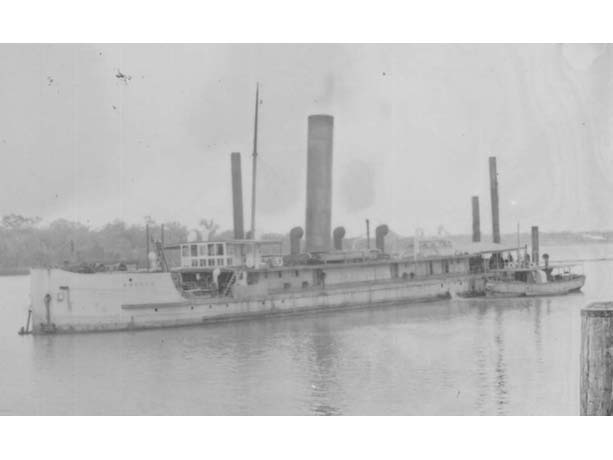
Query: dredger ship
(247, 278)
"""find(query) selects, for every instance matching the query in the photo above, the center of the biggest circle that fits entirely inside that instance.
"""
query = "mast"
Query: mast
(255, 155)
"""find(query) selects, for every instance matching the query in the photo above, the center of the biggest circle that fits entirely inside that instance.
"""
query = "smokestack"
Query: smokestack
(476, 220)
(380, 233)
(295, 235)
(494, 199)
(319, 183)
(237, 195)
(535, 244)
(338, 235)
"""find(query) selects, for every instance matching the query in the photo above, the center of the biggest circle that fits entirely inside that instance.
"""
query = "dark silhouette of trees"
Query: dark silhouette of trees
(25, 243)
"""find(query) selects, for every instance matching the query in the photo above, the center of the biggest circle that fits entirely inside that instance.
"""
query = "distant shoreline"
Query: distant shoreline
(597, 259)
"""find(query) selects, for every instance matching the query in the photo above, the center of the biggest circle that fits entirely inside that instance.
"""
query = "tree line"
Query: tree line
(25, 243)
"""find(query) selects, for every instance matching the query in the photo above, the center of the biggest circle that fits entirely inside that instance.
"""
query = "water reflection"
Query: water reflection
(538, 334)
(476, 356)
(481, 358)
(323, 355)
(500, 373)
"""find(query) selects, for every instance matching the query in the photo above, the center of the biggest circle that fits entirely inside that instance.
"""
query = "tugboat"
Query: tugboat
(527, 280)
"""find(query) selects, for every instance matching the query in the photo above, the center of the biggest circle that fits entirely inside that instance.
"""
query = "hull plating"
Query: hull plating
(72, 302)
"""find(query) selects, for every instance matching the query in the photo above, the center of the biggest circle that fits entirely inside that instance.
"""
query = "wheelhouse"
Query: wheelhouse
(233, 253)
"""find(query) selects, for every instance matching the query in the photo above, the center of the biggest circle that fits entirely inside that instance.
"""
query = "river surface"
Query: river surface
(477, 356)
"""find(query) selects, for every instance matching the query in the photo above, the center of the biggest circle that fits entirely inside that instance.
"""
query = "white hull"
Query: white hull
(64, 301)
(520, 289)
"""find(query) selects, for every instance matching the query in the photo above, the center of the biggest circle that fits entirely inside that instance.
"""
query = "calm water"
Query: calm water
(451, 357)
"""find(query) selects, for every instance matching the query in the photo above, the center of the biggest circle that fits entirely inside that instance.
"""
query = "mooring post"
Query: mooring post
(597, 359)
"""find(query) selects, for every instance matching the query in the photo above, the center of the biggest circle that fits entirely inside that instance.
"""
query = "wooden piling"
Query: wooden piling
(596, 397)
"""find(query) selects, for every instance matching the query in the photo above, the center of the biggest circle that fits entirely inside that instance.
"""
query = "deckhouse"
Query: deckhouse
(230, 253)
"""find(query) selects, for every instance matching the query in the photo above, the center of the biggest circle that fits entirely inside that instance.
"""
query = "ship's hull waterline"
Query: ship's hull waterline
(66, 302)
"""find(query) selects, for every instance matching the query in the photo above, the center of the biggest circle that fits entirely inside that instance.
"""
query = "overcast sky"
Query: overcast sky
(414, 126)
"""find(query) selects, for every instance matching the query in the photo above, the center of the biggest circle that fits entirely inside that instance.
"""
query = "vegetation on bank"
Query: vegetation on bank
(25, 242)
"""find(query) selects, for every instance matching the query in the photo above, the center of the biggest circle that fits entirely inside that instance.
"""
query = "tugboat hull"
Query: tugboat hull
(498, 288)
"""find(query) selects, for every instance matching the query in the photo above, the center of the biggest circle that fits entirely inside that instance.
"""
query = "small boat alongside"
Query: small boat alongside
(533, 280)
